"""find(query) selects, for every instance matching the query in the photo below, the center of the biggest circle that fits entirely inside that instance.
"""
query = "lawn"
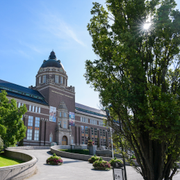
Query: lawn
(79, 151)
(5, 161)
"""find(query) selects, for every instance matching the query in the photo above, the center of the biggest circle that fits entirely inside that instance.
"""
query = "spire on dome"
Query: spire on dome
(52, 55)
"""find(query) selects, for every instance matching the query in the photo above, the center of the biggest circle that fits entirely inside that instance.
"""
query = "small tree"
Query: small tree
(12, 128)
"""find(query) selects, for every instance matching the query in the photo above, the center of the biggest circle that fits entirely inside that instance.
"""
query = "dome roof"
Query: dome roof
(51, 62)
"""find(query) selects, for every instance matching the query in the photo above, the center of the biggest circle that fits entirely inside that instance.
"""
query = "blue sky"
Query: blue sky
(30, 30)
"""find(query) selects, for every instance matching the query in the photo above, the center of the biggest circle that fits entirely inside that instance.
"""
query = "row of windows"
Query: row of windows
(95, 135)
(36, 131)
(34, 109)
(63, 124)
(30, 121)
(62, 114)
(19, 104)
(83, 119)
(36, 134)
(62, 81)
(92, 121)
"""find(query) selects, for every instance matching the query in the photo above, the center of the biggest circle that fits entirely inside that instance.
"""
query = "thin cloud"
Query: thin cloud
(30, 46)
(58, 27)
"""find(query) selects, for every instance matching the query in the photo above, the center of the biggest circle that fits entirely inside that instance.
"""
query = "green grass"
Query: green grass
(5, 161)
(79, 151)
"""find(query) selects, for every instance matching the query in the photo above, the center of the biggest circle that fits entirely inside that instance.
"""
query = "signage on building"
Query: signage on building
(71, 118)
(52, 114)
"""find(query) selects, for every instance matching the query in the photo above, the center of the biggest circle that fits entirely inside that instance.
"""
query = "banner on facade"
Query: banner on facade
(52, 114)
(71, 122)
(71, 118)
(71, 115)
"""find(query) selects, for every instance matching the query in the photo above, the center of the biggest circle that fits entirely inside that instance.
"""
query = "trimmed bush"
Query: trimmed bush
(101, 165)
(93, 159)
(112, 161)
(54, 160)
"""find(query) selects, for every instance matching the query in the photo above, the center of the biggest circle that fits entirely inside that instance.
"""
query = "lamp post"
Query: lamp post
(112, 143)
(125, 174)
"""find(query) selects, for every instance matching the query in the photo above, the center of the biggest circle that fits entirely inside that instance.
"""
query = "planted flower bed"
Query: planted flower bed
(54, 160)
(101, 165)
(93, 159)
(115, 160)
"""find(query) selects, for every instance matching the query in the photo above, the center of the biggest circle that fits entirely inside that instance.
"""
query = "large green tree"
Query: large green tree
(12, 128)
(137, 75)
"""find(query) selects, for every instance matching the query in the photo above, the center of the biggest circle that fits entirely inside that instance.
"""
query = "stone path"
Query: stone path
(74, 169)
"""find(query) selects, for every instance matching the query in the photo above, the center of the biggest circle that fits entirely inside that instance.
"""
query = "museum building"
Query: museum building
(52, 113)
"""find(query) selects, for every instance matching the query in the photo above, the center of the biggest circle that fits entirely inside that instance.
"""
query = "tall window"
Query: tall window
(61, 80)
(39, 110)
(29, 107)
(65, 115)
(36, 135)
(29, 134)
(19, 104)
(83, 119)
(30, 121)
(36, 110)
(101, 123)
(44, 79)
(40, 80)
(32, 108)
(60, 114)
(37, 122)
(56, 79)
(64, 124)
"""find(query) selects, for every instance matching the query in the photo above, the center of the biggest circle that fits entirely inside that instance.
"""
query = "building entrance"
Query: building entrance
(64, 140)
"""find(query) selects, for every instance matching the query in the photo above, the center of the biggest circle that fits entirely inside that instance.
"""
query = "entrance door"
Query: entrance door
(64, 140)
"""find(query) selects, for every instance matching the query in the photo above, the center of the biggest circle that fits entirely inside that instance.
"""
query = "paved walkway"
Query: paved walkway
(74, 169)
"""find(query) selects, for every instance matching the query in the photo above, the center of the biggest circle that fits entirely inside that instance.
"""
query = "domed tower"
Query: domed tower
(51, 82)
(51, 72)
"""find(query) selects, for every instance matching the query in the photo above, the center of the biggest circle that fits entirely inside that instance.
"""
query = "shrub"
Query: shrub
(1, 144)
(54, 160)
(93, 159)
(112, 161)
(90, 142)
(101, 165)
(133, 157)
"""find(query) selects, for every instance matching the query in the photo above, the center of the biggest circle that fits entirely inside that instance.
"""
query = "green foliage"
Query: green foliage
(12, 128)
(133, 157)
(112, 161)
(101, 165)
(138, 77)
(54, 160)
(93, 159)
(1, 144)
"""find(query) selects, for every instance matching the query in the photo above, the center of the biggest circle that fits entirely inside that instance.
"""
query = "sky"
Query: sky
(30, 30)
